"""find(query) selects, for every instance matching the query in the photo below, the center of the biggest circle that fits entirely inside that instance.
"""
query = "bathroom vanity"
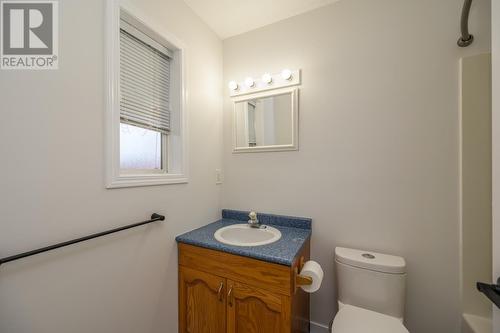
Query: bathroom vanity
(227, 288)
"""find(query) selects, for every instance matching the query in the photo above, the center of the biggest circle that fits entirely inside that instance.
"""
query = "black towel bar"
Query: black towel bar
(155, 217)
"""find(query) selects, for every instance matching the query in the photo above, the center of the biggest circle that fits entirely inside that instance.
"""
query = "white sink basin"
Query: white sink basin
(244, 235)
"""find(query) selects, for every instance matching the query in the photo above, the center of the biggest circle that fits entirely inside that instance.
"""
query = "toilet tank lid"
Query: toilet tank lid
(371, 260)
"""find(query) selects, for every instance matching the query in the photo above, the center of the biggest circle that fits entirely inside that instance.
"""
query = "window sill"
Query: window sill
(146, 180)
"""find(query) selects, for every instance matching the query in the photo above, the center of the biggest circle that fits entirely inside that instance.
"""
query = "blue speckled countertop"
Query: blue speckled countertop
(294, 233)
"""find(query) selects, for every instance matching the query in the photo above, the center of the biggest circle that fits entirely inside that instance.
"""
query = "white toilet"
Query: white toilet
(371, 292)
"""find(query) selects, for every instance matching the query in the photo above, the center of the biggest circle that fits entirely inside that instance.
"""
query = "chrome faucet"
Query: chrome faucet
(253, 222)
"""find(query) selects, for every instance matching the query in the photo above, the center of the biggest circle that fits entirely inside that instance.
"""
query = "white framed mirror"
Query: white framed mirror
(266, 121)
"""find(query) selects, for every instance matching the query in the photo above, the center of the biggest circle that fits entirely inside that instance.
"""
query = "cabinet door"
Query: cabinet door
(252, 310)
(202, 302)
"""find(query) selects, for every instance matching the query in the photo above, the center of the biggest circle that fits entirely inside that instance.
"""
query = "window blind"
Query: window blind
(144, 81)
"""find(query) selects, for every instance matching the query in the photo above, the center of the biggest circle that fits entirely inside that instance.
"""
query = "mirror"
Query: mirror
(266, 121)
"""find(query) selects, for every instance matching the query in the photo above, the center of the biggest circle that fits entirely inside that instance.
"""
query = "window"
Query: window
(140, 148)
(146, 124)
(144, 101)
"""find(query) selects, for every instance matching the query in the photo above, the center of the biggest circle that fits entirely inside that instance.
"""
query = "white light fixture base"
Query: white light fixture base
(259, 85)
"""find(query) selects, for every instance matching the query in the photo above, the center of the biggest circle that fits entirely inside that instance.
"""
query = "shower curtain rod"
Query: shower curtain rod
(466, 39)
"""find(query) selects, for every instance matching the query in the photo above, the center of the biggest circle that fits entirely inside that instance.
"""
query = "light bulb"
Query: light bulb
(249, 82)
(233, 85)
(267, 78)
(286, 74)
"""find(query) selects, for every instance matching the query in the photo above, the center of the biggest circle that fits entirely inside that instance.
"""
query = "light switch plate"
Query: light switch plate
(218, 176)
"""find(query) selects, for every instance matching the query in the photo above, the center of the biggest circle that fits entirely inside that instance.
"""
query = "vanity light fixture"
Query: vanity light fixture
(268, 81)
(233, 85)
(249, 82)
(286, 74)
(267, 78)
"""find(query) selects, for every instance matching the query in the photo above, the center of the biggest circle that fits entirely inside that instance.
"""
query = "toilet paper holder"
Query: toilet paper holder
(301, 280)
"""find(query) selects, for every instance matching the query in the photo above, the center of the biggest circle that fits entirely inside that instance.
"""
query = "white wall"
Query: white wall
(378, 161)
(52, 186)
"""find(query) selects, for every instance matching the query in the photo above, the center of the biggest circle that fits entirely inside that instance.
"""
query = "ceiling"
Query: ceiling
(233, 17)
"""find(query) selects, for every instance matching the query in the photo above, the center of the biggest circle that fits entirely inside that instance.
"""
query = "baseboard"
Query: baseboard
(319, 328)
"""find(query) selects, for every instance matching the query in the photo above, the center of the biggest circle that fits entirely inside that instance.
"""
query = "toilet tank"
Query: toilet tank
(371, 281)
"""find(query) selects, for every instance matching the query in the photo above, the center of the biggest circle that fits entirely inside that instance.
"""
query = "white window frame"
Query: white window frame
(175, 144)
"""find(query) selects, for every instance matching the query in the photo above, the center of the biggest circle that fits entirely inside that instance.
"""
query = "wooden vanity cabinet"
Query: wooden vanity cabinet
(225, 293)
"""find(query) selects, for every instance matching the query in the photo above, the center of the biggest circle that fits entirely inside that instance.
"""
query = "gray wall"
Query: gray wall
(52, 186)
(378, 161)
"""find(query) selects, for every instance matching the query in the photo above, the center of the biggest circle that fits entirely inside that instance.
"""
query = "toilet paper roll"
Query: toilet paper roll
(312, 269)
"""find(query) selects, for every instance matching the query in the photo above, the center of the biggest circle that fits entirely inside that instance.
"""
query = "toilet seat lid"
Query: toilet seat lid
(351, 319)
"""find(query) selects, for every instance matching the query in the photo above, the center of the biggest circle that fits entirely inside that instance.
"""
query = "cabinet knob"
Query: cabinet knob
(219, 292)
